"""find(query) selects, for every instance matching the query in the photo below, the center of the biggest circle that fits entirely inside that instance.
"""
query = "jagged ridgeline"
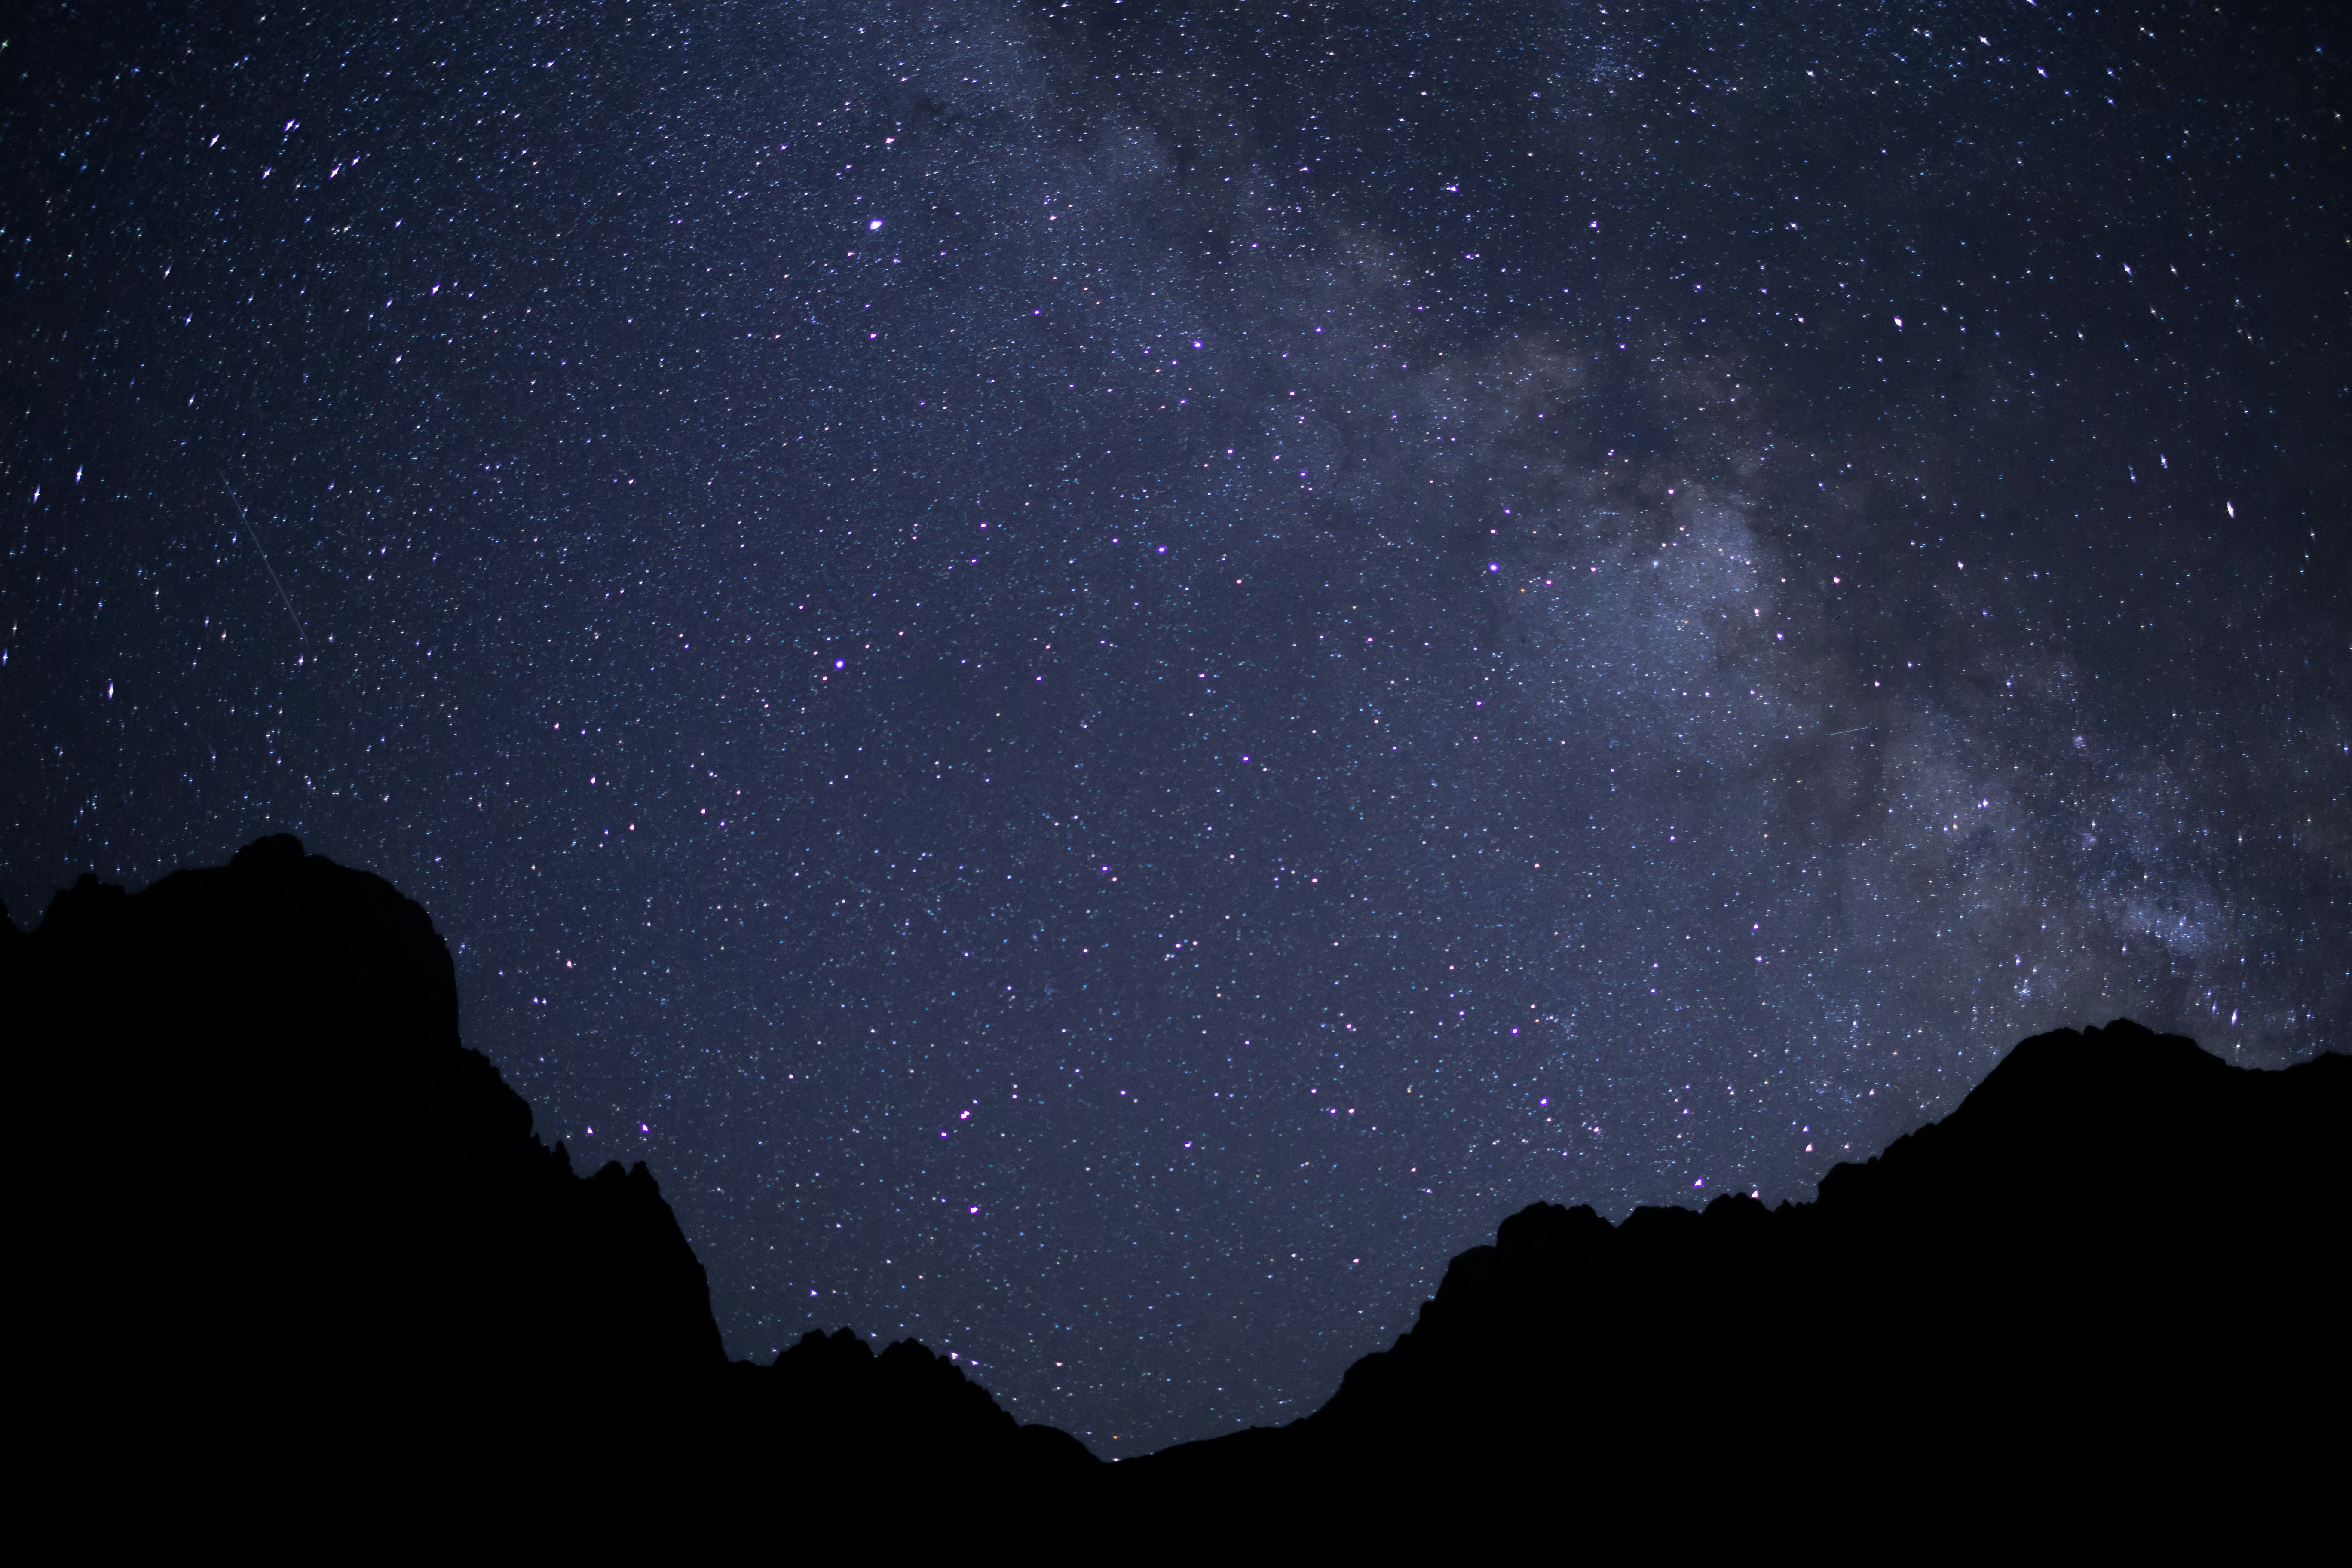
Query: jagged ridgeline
(279, 1192)
(274, 1195)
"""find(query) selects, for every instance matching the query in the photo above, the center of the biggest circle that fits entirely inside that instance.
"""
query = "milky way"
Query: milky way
(1109, 674)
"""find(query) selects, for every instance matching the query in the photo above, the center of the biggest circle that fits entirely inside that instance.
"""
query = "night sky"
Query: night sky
(1108, 674)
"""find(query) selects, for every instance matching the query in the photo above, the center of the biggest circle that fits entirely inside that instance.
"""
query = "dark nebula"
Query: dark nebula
(1106, 674)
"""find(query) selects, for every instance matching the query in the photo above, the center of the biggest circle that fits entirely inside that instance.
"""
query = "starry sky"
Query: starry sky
(1109, 673)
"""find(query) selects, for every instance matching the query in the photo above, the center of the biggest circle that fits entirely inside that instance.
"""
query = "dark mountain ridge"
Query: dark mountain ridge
(281, 1193)
(2117, 1269)
(278, 1195)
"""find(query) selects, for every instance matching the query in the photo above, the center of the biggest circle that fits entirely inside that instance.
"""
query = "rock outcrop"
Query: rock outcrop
(275, 1194)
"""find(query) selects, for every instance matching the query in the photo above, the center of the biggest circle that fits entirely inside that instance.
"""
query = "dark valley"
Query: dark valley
(284, 1231)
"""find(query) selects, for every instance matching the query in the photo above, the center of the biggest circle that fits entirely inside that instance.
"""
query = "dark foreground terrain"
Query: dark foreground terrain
(287, 1248)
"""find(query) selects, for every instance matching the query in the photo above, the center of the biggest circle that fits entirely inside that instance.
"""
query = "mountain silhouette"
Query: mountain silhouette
(2110, 1279)
(280, 1196)
(285, 1233)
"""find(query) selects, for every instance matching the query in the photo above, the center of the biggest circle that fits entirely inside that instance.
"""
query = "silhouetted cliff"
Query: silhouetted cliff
(276, 1192)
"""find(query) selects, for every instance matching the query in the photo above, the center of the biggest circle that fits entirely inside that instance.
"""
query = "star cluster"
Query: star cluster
(1109, 673)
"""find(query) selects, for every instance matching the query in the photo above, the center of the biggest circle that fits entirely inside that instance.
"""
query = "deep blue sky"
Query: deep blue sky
(1108, 674)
